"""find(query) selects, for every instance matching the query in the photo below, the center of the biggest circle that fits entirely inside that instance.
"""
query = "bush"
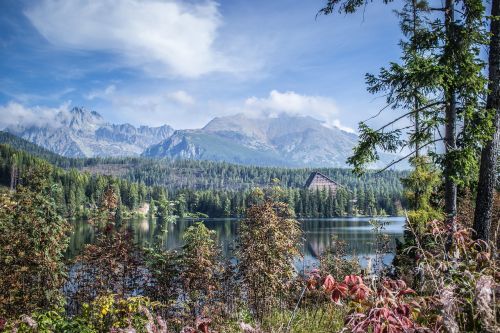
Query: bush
(33, 239)
(334, 260)
(268, 242)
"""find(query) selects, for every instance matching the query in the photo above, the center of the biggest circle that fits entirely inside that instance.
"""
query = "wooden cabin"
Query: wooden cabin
(317, 180)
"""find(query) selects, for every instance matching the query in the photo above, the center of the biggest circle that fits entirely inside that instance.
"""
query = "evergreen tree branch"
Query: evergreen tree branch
(409, 113)
(406, 156)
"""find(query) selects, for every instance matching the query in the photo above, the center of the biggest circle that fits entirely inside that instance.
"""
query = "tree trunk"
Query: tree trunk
(489, 154)
(451, 120)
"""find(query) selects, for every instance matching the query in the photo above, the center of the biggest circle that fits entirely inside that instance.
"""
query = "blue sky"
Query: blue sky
(182, 63)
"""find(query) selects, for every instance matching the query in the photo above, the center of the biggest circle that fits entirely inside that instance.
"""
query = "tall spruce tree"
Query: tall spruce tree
(488, 171)
(439, 82)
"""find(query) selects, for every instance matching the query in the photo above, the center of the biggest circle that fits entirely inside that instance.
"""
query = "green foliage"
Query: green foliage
(109, 312)
(33, 238)
(419, 218)
(319, 319)
(78, 192)
(335, 261)
(165, 210)
(440, 65)
(164, 268)
(268, 242)
(421, 183)
(52, 321)
(200, 269)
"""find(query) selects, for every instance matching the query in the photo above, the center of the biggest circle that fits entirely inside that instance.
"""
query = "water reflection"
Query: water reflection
(356, 232)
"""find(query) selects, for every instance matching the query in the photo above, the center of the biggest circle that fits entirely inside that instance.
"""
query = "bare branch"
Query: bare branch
(437, 9)
(406, 156)
(409, 113)
(378, 113)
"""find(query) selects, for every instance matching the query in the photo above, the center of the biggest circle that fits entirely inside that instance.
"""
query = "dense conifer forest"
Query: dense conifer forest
(215, 189)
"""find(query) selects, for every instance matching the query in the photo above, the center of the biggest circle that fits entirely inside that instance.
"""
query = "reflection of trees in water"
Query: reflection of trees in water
(225, 233)
(357, 233)
(82, 234)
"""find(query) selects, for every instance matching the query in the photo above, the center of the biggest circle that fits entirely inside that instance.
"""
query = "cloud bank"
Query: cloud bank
(176, 108)
(319, 107)
(15, 114)
(162, 38)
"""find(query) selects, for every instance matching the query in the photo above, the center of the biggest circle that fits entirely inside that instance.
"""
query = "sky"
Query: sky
(184, 62)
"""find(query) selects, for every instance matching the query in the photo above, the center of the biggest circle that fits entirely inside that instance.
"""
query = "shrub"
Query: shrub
(335, 261)
(33, 238)
(114, 264)
(110, 312)
(268, 242)
(201, 272)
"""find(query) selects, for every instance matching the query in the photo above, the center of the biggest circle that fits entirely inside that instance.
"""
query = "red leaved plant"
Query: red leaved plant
(385, 310)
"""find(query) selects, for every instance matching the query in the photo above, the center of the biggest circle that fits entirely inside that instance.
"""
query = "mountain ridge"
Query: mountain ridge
(283, 140)
(82, 133)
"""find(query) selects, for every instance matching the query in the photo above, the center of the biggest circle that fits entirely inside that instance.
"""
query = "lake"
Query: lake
(357, 232)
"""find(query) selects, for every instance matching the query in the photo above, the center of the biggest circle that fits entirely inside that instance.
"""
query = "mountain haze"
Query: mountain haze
(83, 133)
(284, 140)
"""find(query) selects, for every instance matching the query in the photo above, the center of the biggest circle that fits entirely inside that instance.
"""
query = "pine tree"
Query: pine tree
(440, 80)
(488, 173)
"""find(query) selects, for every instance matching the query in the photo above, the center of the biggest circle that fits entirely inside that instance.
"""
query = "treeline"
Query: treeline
(222, 189)
(371, 194)
(213, 175)
(78, 192)
(363, 200)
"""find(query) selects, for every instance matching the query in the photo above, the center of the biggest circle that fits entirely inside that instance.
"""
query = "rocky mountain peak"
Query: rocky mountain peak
(80, 132)
(82, 119)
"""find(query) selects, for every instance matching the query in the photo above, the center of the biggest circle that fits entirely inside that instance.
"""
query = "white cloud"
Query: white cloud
(322, 108)
(180, 110)
(108, 91)
(163, 38)
(14, 114)
(153, 108)
(182, 97)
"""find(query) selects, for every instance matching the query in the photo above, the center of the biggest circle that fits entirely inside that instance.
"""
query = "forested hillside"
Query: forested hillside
(35, 150)
(222, 189)
(76, 192)
(217, 189)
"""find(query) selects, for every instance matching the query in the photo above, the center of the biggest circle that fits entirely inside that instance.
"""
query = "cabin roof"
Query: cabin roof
(317, 173)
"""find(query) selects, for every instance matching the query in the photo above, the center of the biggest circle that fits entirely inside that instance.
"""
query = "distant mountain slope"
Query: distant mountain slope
(200, 145)
(31, 148)
(83, 133)
(292, 141)
(283, 140)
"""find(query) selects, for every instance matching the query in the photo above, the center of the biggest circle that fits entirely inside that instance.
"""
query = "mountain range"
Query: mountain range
(284, 140)
(83, 133)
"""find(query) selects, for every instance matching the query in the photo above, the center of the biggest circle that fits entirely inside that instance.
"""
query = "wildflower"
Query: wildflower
(30, 321)
(188, 329)
(247, 328)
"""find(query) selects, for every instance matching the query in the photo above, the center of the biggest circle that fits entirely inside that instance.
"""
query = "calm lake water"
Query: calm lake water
(357, 232)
